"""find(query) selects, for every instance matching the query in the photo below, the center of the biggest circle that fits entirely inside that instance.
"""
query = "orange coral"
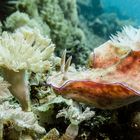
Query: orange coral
(113, 80)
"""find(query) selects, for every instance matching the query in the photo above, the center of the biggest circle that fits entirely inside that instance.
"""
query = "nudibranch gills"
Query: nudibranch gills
(106, 55)
(113, 79)
(117, 48)
(103, 96)
(127, 71)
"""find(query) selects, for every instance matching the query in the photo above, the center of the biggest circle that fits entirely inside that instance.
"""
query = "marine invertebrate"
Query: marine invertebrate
(112, 81)
(46, 111)
(24, 50)
(21, 121)
(4, 92)
(129, 38)
(76, 116)
(62, 18)
(59, 18)
(19, 19)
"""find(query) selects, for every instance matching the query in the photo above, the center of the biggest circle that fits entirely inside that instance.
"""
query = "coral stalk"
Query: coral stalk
(19, 87)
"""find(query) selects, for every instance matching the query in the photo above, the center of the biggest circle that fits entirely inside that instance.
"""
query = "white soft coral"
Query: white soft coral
(25, 49)
(20, 120)
(4, 92)
(129, 38)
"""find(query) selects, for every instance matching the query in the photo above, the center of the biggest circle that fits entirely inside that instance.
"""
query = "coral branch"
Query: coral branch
(19, 87)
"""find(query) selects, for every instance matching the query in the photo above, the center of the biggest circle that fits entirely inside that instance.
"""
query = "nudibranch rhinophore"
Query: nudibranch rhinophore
(113, 79)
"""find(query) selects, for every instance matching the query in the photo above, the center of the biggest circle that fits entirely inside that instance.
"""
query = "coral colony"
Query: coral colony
(103, 85)
(38, 88)
(25, 49)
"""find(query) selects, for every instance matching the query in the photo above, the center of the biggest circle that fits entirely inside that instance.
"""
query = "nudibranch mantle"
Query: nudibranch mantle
(113, 79)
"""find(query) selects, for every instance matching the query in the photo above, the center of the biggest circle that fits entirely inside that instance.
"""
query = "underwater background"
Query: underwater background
(122, 8)
(53, 55)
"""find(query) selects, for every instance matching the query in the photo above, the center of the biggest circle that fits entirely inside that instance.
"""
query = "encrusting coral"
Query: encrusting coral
(112, 81)
(22, 123)
(27, 60)
(24, 50)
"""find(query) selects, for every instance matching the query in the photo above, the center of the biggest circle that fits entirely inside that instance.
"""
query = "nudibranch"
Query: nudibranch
(113, 79)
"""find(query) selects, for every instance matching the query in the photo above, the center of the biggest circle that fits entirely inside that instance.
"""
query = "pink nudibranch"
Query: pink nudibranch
(103, 96)
(112, 82)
